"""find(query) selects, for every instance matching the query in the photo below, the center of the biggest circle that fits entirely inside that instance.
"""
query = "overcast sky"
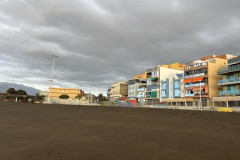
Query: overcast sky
(102, 41)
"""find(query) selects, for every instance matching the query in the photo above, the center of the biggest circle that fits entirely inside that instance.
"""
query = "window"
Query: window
(171, 89)
(164, 93)
(176, 93)
(154, 87)
(132, 87)
(129, 93)
(129, 87)
(149, 81)
(176, 84)
(132, 93)
(164, 86)
(148, 88)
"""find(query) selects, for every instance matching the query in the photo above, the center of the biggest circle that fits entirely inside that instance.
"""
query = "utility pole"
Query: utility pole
(10, 84)
(200, 96)
(54, 57)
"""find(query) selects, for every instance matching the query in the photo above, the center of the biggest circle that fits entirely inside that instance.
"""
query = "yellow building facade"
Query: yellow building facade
(71, 92)
(119, 90)
(177, 66)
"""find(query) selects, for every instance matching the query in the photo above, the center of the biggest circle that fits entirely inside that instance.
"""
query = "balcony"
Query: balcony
(140, 96)
(233, 92)
(229, 81)
(194, 66)
(229, 70)
(198, 84)
(195, 75)
(140, 89)
(199, 75)
(189, 85)
(190, 76)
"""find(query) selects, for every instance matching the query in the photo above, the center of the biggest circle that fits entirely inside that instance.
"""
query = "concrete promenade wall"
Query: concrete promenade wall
(70, 101)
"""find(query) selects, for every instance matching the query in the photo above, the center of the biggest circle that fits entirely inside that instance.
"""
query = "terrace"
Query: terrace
(229, 81)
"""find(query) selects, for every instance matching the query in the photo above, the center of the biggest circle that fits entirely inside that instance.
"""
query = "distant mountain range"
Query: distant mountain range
(30, 90)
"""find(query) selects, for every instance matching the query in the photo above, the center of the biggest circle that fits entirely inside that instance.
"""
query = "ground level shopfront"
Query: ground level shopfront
(186, 102)
(230, 101)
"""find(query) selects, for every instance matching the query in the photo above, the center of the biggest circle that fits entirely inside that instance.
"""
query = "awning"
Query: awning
(187, 80)
(198, 89)
(206, 89)
(198, 79)
(153, 79)
(179, 75)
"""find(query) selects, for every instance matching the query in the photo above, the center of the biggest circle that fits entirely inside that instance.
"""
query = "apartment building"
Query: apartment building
(119, 90)
(141, 92)
(133, 85)
(229, 96)
(154, 78)
(201, 78)
(173, 90)
(71, 92)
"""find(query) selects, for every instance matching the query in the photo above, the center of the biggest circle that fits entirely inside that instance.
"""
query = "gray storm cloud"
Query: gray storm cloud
(100, 41)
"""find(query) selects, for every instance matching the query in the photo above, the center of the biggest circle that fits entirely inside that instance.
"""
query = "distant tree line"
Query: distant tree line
(18, 92)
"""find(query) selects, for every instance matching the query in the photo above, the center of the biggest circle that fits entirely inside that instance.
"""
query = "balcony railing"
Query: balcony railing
(140, 89)
(195, 75)
(155, 82)
(189, 85)
(228, 80)
(140, 96)
(229, 92)
(233, 92)
(196, 65)
(226, 70)
(186, 95)
(196, 84)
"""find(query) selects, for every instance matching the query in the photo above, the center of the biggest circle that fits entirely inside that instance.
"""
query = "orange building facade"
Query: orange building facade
(143, 76)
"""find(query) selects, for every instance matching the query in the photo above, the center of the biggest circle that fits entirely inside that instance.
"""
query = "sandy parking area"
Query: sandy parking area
(61, 132)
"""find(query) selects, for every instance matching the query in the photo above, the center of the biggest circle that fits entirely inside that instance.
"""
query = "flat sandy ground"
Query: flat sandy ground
(61, 132)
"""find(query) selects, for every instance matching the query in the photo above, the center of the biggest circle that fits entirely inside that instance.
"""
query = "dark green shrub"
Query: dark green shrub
(11, 91)
(64, 96)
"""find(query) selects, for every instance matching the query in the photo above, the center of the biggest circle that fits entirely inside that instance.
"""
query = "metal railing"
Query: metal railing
(233, 92)
(226, 69)
(196, 84)
(140, 96)
(140, 89)
(195, 75)
(228, 80)
(189, 85)
(196, 65)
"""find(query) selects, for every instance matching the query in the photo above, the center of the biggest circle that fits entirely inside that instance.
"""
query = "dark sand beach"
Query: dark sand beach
(62, 132)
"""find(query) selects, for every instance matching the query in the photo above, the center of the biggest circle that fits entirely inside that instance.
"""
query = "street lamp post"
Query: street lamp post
(53, 56)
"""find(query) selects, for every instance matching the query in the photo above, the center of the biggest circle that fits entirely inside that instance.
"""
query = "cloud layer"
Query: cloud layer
(99, 42)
